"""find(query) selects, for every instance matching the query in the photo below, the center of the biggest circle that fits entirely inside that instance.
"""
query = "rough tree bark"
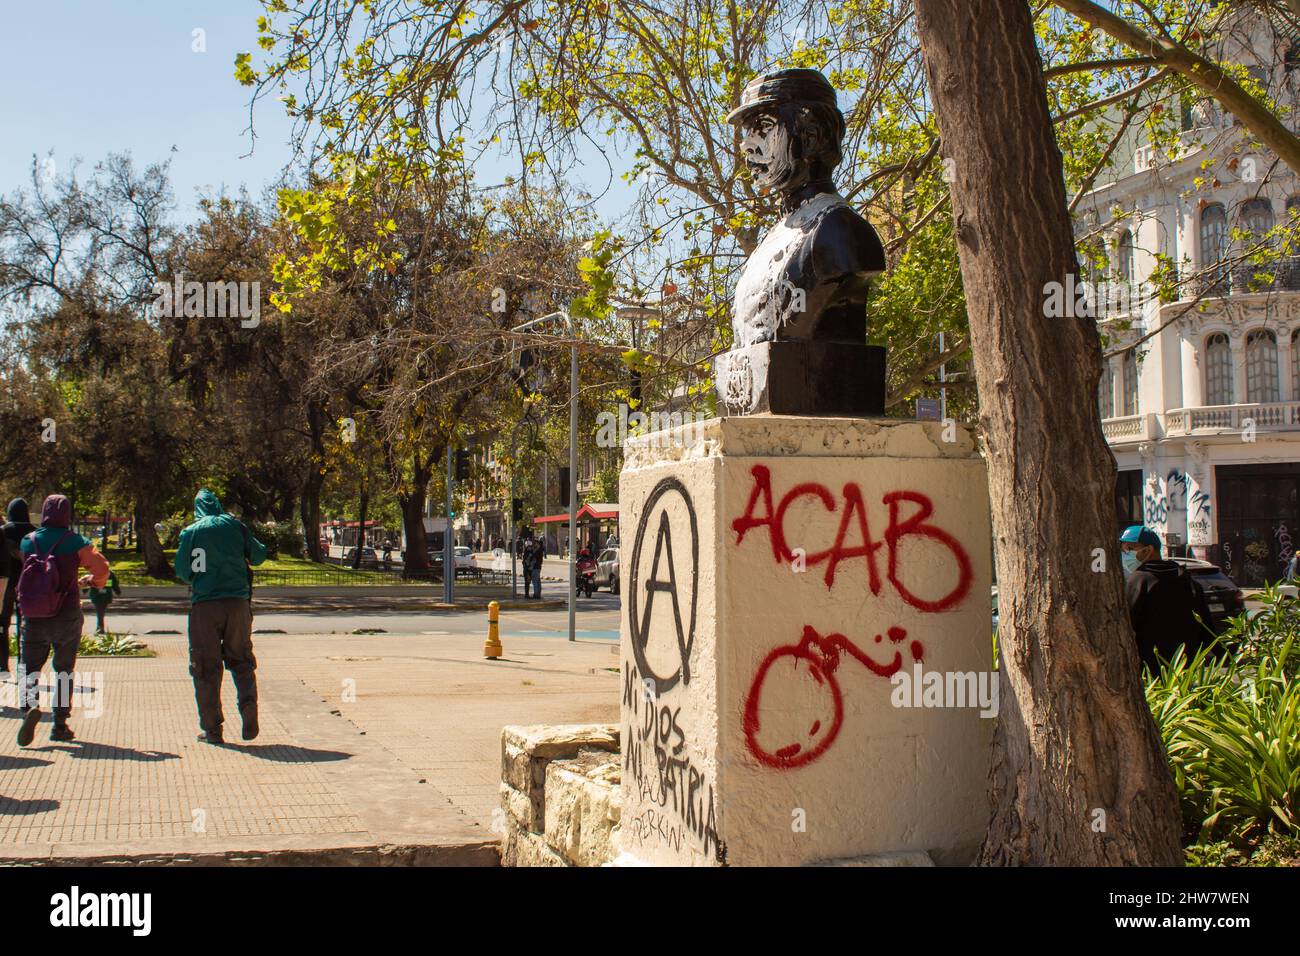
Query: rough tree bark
(309, 501)
(1079, 775)
(416, 558)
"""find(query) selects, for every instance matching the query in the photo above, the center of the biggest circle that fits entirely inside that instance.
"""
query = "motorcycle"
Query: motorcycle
(586, 569)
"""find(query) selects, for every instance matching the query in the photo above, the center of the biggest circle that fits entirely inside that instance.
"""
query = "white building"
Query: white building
(1204, 415)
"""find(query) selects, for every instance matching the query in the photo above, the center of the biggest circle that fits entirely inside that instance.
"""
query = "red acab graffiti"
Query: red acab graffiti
(854, 517)
(821, 655)
(816, 657)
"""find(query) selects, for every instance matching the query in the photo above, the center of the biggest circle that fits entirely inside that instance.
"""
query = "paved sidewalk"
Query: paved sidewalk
(372, 747)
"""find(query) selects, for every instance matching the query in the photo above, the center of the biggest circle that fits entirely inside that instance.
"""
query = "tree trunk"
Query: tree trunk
(1079, 775)
(363, 510)
(309, 511)
(309, 502)
(416, 557)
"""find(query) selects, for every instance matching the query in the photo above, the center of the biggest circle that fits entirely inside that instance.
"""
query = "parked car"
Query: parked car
(1221, 592)
(462, 559)
(607, 570)
(368, 557)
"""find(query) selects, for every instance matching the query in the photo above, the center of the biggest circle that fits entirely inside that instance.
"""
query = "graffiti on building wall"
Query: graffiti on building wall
(1285, 549)
(1174, 501)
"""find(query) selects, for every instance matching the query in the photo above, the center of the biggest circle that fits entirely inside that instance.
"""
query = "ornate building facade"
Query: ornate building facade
(1200, 397)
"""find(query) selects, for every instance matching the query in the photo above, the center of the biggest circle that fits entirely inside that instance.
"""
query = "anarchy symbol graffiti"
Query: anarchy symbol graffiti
(665, 581)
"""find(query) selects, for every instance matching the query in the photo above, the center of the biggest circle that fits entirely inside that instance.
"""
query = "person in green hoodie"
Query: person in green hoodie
(215, 557)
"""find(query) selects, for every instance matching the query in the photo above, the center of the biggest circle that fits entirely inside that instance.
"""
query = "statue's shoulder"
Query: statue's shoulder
(844, 243)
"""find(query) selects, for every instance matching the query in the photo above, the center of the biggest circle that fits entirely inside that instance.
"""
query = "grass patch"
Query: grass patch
(130, 570)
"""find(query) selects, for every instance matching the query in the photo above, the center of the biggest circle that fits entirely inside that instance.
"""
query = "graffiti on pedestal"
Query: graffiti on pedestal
(820, 657)
(665, 584)
(853, 519)
(658, 762)
(662, 599)
(785, 738)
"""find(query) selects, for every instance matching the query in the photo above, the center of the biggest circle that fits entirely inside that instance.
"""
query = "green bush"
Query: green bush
(280, 538)
(109, 644)
(1231, 727)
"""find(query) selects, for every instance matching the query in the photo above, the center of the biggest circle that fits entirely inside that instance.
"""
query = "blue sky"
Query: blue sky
(89, 77)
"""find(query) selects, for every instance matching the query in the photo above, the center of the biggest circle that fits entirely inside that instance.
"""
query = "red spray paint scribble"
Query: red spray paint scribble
(822, 656)
(855, 514)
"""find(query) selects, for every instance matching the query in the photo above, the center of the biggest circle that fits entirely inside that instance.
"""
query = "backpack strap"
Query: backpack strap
(57, 541)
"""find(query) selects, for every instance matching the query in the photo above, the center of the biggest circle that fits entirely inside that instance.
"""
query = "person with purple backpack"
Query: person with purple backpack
(50, 601)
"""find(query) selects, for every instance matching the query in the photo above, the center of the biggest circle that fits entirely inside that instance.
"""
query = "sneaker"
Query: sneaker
(62, 732)
(207, 737)
(249, 713)
(28, 729)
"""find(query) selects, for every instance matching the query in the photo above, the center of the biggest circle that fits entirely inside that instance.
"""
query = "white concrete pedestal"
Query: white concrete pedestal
(776, 573)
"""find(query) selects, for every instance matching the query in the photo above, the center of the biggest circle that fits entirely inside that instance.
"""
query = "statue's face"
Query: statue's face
(771, 151)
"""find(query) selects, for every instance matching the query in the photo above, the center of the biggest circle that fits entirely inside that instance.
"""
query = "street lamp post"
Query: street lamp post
(573, 454)
(514, 531)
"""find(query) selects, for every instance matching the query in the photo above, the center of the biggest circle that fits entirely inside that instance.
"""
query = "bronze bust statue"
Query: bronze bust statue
(799, 324)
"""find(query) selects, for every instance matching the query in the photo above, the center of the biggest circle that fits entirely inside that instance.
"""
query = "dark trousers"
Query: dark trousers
(534, 575)
(6, 615)
(221, 632)
(59, 635)
(99, 616)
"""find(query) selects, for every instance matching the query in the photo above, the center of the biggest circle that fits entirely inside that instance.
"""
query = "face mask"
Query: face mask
(1130, 562)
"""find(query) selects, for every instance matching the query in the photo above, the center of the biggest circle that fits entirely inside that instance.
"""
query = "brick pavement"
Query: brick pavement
(367, 742)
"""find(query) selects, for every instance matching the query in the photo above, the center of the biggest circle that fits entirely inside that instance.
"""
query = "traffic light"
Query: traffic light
(462, 465)
(564, 485)
(522, 371)
(516, 509)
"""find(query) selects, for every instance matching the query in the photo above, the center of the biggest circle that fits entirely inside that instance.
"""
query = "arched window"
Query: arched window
(1106, 390)
(1295, 366)
(1125, 257)
(1261, 367)
(1218, 370)
(1130, 382)
(1290, 266)
(1214, 240)
(1257, 216)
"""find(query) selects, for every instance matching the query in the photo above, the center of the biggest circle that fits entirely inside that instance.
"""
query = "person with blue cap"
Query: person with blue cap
(1164, 601)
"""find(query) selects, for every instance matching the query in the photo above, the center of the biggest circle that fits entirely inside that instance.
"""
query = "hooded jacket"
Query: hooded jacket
(215, 552)
(17, 526)
(1162, 597)
(71, 551)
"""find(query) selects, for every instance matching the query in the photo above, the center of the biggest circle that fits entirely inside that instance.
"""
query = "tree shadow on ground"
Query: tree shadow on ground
(13, 806)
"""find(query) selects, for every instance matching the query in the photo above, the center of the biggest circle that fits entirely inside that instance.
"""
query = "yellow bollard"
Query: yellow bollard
(492, 648)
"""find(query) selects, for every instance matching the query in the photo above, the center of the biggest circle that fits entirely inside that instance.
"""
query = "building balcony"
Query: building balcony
(1216, 419)
(1280, 276)
(1127, 429)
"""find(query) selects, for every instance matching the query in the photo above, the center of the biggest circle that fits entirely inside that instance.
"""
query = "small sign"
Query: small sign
(927, 410)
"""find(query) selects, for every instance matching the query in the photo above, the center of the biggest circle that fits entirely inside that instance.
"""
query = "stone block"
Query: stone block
(583, 804)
